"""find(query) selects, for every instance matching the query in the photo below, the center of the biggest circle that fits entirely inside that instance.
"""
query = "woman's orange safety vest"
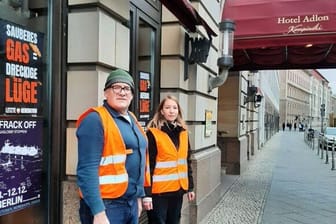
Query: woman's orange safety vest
(113, 177)
(171, 169)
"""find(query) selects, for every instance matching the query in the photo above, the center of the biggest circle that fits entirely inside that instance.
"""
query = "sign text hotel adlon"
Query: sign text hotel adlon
(303, 24)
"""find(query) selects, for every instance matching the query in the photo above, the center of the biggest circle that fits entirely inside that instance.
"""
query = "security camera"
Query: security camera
(258, 97)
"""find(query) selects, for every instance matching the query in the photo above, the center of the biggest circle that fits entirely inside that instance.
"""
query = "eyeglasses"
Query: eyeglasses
(118, 89)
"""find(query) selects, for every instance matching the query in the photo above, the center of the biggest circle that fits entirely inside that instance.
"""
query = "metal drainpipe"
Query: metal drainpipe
(218, 80)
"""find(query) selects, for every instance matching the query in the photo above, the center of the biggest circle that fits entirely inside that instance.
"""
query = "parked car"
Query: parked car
(329, 138)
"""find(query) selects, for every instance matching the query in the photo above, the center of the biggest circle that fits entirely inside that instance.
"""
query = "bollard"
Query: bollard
(319, 144)
(327, 151)
(305, 137)
(333, 156)
(323, 145)
(313, 142)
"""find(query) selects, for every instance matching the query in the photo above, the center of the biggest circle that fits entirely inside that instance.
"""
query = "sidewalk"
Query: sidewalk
(286, 183)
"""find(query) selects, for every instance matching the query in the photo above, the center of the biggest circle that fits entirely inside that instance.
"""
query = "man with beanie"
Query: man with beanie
(112, 157)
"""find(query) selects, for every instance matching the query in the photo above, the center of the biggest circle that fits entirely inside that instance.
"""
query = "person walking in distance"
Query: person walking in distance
(112, 164)
(170, 165)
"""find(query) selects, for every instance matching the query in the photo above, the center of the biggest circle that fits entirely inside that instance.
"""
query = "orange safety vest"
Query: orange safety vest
(113, 177)
(171, 169)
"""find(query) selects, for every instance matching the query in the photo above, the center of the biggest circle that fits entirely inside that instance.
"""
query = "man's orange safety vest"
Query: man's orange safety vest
(113, 177)
(171, 169)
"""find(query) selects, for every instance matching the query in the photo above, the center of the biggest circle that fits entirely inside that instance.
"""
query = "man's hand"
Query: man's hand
(100, 218)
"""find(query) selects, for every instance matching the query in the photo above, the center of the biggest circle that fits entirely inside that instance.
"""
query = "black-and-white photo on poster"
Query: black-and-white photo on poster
(20, 162)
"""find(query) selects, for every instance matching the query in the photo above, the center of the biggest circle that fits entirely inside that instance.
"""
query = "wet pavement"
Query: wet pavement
(286, 182)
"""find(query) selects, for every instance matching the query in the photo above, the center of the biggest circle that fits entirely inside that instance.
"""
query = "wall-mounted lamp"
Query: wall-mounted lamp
(200, 47)
(196, 50)
(225, 60)
(254, 95)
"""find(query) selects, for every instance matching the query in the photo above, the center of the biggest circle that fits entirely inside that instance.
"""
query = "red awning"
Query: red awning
(187, 15)
(276, 33)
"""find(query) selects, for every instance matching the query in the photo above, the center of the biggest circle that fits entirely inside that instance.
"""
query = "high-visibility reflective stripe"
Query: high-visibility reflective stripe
(168, 164)
(158, 178)
(169, 177)
(108, 160)
(183, 175)
(182, 161)
(113, 179)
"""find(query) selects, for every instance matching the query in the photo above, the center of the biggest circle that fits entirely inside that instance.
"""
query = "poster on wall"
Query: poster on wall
(208, 125)
(20, 162)
(144, 98)
(20, 70)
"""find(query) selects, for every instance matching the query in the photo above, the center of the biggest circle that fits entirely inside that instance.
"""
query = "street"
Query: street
(286, 183)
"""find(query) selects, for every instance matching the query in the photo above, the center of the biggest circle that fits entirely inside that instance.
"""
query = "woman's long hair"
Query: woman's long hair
(158, 120)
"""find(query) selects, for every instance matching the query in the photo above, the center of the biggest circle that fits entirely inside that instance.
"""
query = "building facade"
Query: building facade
(58, 55)
(269, 110)
(332, 119)
(244, 123)
(303, 94)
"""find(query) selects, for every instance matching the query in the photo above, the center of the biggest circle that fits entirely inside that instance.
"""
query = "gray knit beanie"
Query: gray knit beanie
(119, 75)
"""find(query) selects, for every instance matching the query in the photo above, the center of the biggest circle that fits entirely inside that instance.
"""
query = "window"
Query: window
(24, 42)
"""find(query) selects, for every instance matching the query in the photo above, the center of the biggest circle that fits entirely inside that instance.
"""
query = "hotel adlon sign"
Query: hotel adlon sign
(304, 24)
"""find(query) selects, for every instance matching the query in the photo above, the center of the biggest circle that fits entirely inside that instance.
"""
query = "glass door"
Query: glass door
(145, 48)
